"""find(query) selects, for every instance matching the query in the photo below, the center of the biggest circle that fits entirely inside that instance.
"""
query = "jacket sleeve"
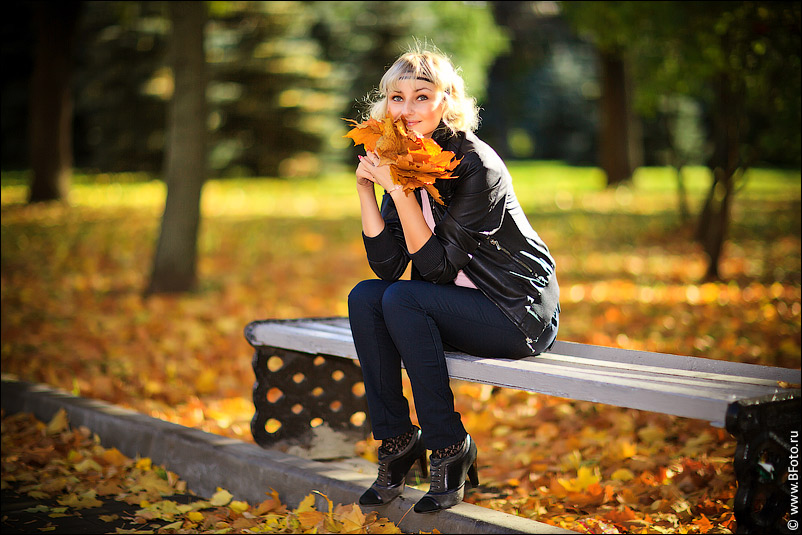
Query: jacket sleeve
(387, 252)
(476, 208)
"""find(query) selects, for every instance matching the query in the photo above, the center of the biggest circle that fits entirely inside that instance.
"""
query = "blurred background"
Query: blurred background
(281, 75)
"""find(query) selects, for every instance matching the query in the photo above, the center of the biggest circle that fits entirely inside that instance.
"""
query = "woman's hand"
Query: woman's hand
(371, 170)
(364, 179)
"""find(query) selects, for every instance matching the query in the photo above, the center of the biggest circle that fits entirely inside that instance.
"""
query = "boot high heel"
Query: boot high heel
(393, 470)
(448, 479)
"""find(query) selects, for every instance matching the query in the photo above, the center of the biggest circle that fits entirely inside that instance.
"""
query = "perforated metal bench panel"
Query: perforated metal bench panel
(691, 387)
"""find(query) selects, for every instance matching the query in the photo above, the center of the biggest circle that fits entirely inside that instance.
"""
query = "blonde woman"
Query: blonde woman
(482, 282)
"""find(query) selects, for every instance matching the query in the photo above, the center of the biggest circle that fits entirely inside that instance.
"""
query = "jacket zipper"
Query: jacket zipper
(494, 242)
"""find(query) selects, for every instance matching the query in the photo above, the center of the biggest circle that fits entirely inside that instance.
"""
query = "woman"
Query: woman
(482, 283)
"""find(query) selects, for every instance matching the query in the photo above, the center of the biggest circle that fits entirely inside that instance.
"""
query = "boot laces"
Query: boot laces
(383, 478)
(438, 481)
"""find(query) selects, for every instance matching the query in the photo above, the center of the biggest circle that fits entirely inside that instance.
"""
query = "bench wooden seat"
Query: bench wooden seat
(759, 405)
(692, 387)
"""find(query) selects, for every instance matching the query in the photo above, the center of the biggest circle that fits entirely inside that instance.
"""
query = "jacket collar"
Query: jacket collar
(442, 135)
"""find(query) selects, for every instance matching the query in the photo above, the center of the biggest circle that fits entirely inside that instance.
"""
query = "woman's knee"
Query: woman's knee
(399, 293)
(366, 293)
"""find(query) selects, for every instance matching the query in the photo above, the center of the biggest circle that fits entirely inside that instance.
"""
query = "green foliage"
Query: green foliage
(681, 48)
(281, 77)
(122, 85)
(366, 37)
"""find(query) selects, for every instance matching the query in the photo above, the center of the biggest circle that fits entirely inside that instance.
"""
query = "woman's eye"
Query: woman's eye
(423, 97)
(396, 98)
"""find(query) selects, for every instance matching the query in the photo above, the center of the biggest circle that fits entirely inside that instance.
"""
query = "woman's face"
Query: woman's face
(419, 103)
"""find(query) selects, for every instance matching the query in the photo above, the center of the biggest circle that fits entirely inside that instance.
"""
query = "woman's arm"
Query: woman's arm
(416, 231)
(372, 222)
(381, 229)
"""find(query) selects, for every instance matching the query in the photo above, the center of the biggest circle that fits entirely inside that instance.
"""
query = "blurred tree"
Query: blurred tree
(740, 59)
(281, 77)
(174, 265)
(51, 101)
(123, 84)
(608, 24)
(542, 90)
(273, 97)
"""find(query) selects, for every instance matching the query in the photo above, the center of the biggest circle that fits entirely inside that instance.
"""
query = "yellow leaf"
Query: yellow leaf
(114, 457)
(271, 504)
(351, 516)
(88, 464)
(153, 484)
(238, 507)
(585, 478)
(622, 474)
(144, 463)
(652, 434)
(384, 526)
(109, 518)
(621, 450)
(195, 516)
(38, 509)
(307, 504)
(58, 423)
(200, 504)
(81, 501)
(221, 498)
(310, 519)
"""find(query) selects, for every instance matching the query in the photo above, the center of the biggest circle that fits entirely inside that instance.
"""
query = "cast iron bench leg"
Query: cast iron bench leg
(766, 462)
(307, 387)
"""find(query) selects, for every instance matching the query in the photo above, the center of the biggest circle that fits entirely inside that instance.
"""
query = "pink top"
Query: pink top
(461, 279)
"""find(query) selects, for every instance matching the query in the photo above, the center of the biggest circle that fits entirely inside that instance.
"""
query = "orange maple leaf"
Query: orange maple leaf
(704, 524)
(415, 161)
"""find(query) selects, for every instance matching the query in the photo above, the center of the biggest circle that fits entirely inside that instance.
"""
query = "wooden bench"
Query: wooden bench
(307, 371)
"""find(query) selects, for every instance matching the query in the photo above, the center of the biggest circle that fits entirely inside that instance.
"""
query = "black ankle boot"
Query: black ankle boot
(393, 470)
(448, 479)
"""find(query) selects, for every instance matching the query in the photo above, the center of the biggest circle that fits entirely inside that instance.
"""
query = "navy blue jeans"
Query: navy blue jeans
(414, 322)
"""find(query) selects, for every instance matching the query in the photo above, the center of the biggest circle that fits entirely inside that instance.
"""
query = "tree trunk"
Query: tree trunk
(714, 220)
(174, 266)
(615, 129)
(51, 100)
(667, 123)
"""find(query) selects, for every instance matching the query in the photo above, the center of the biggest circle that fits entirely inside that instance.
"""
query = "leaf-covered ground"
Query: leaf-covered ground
(73, 316)
(54, 462)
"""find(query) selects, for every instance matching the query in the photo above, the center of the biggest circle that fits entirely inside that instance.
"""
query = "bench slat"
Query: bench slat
(657, 396)
(671, 384)
(619, 392)
(665, 360)
(622, 367)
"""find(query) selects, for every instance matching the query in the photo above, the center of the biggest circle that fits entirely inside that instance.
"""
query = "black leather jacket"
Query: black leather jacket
(481, 230)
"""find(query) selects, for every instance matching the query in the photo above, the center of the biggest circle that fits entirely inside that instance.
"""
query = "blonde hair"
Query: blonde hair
(460, 113)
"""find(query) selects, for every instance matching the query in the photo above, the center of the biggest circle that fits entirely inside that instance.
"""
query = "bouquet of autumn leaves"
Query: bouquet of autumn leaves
(415, 161)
